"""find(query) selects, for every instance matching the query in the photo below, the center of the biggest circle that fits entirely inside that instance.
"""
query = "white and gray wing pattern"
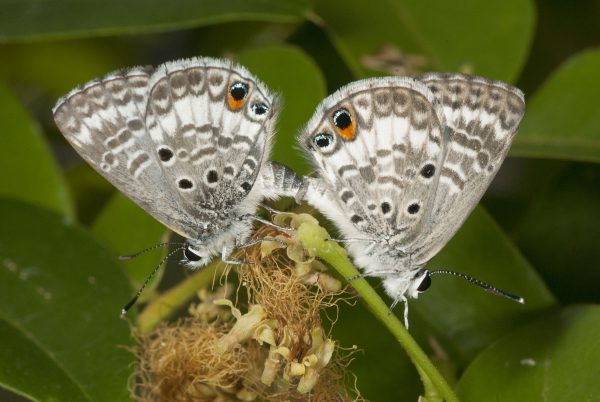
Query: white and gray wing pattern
(403, 161)
(481, 118)
(188, 138)
(372, 142)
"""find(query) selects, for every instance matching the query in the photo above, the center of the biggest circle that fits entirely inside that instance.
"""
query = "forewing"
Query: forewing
(481, 118)
(373, 172)
(155, 134)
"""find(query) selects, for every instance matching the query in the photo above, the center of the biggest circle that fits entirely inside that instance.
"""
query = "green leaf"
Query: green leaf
(126, 228)
(562, 120)
(554, 358)
(465, 318)
(28, 20)
(288, 70)
(35, 366)
(27, 169)
(60, 297)
(66, 64)
(90, 191)
(383, 371)
(559, 233)
(490, 38)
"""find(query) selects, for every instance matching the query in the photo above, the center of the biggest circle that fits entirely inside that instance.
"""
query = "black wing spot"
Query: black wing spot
(165, 154)
(185, 184)
(259, 108)
(238, 91)
(428, 171)
(342, 119)
(386, 207)
(212, 176)
(356, 219)
(246, 186)
(323, 140)
(413, 208)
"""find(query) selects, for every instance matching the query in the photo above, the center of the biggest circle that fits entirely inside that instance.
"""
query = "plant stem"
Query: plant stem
(168, 302)
(314, 238)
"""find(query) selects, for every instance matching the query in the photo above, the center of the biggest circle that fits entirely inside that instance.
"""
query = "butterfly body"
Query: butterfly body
(188, 141)
(401, 163)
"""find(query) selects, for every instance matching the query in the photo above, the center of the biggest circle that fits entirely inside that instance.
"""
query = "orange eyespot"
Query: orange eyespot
(237, 95)
(344, 123)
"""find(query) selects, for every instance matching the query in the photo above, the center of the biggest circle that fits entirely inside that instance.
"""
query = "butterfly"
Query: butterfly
(401, 162)
(189, 142)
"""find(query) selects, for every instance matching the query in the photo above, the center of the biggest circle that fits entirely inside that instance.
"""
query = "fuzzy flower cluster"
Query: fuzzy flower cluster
(277, 350)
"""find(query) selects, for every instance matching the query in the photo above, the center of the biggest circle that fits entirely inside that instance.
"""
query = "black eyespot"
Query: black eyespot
(238, 91)
(356, 219)
(323, 140)
(428, 170)
(212, 176)
(385, 207)
(425, 283)
(246, 186)
(413, 208)
(259, 108)
(165, 154)
(185, 184)
(190, 255)
(342, 119)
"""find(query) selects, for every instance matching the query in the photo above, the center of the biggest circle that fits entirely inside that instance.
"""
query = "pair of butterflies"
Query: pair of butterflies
(401, 162)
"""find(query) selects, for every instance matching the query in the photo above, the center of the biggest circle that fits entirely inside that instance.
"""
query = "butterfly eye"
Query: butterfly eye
(323, 140)
(425, 284)
(259, 108)
(190, 255)
(238, 92)
(345, 124)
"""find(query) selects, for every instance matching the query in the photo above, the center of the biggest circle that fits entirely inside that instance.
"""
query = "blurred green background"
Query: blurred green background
(537, 233)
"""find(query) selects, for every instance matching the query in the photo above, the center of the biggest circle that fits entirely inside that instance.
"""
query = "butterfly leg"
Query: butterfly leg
(252, 242)
(272, 211)
(395, 303)
(376, 274)
(226, 254)
(351, 240)
(269, 223)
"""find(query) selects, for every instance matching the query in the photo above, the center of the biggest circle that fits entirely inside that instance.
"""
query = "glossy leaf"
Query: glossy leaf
(559, 233)
(90, 191)
(383, 371)
(32, 20)
(66, 64)
(26, 364)
(489, 38)
(466, 319)
(60, 296)
(289, 71)
(126, 228)
(554, 358)
(27, 169)
(562, 120)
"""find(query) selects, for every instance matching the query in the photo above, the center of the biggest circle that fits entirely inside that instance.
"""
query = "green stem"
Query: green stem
(314, 238)
(168, 302)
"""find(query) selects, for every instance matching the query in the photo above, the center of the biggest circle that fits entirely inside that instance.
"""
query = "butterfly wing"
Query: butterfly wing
(175, 140)
(481, 118)
(373, 143)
